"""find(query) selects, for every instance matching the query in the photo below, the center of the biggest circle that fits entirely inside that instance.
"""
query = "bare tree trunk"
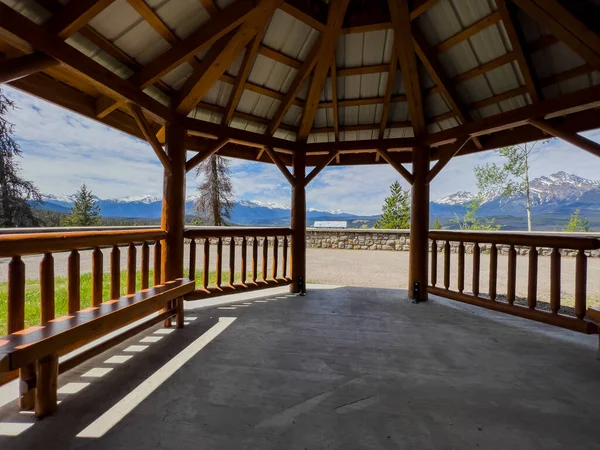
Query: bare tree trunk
(527, 191)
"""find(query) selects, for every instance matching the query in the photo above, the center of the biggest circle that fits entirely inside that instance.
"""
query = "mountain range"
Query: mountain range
(554, 198)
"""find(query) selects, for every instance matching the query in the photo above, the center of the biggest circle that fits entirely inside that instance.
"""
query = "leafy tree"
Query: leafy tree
(577, 223)
(15, 192)
(436, 224)
(512, 177)
(396, 209)
(470, 221)
(215, 202)
(47, 218)
(84, 212)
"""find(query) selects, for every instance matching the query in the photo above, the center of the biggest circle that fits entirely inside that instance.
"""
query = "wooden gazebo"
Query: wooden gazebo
(313, 83)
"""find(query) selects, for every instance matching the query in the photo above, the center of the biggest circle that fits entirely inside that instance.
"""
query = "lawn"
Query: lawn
(32, 294)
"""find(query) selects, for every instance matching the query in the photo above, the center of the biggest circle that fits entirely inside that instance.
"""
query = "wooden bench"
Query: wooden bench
(35, 349)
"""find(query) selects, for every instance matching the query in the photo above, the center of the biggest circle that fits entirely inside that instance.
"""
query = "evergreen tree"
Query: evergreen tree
(15, 192)
(84, 212)
(215, 202)
(436, 224)
(396, 209)
(577, 223)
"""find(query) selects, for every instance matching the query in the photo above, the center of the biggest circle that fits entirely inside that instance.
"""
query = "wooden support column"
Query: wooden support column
(173, 211)
(298, 223)
(419, 224)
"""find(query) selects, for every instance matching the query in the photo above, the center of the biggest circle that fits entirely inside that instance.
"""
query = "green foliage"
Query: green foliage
(436, 224)
(577, 223)
(84, 212)
(396, 209)
(470, 221)
(47, 218)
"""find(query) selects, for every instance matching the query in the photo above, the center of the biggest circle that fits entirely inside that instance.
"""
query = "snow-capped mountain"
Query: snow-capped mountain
(458, 198)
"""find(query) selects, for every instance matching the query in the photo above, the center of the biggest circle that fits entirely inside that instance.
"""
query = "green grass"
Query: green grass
(32, 294)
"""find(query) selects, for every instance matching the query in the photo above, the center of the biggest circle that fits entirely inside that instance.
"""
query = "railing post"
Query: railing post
(173, 210)
(419, 224)
(298, 224)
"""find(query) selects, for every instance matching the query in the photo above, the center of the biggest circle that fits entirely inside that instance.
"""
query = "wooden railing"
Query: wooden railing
(245, 275)
(529, 306)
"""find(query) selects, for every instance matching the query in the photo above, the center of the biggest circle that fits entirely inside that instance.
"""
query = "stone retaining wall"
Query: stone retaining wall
(399, 240)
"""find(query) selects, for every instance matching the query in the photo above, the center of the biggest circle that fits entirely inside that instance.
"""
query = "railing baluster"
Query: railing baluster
(493, 272)
(74, 283)
(265, 258)
(512, 275)
(219, 260)
(447, 265)
(580, 284)
(115, 272)
(434, 262)
(232, 261)
(192, 267)
(476, 268)
(205, 269)
(131, 268)
(97, 274)
(157, 262)
(285, 257)
(275, 257)
(47, 287)
(532, 278)
(254, 259)
(244, 261)
(555, 281)
(145, 265)
(461, 267)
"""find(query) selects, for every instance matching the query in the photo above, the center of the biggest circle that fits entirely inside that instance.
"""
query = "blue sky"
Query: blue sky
(62, 150)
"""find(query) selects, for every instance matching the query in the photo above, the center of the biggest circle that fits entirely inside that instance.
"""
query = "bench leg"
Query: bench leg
(179, 316)
(47, 385)
(27, 384)
(167, 323)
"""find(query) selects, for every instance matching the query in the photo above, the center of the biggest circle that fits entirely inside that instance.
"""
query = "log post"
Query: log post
(173, 211)
(419, 224)
(298, 224)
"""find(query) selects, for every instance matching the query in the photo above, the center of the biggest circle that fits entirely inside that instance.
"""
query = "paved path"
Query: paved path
(369, 268)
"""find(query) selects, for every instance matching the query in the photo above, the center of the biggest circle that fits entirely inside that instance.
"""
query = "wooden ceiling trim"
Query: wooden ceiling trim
(335, 19)
(362, 101)
(388, 92)
(210, 7)
(74, 16)
(368, 28)
(334, 100)
(468, 32)
(360, 127)
(203, 155)
(408, 65)
(16, 68)
(302, 16)
(155, 22)
(421, 7)
(410, 179)
(572, 138)
(512, 93)
(364, 70)
(584, 69)
(150, 136)
(320, 166)
(280, 164)
(279, 57)
(480, 70)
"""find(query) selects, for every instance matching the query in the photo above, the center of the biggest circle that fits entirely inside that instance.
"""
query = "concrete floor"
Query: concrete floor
(340, 368)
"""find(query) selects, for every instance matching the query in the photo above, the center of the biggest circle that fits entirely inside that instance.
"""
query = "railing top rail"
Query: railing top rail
(210, 232)
(38, 243)
(552, 240)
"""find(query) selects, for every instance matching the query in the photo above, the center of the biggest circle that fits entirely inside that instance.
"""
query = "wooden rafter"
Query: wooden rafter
(565, 27)
(421, 7)
(572, 138)
(445, 157)
(410, 179)
(320, 166)
(16, 68)
(280, 164)
(74, 16)
(150, 137)
(408, 64)
(334, 101)
(468, 32)
(240, 80)
(517, 41)
(388, 93)
(329, 37)
(210, 7)
(302, 16)
(203, 155)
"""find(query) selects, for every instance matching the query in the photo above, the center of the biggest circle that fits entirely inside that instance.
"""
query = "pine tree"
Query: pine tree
(436, 224)
(215, 201)
(577, 223)
(84, 212)
(396, 209)
(15, 192)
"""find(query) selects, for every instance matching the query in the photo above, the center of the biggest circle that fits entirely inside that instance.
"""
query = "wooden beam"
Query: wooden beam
(565, 27)
(572, 138)
(320, 166)
(210, 7)
(74, 16)
(201, 156)
(31, 34)
(388, 93)
(360, 127)
(284, 170)
(329, 38)
(362, 101)
(334, 100)
(16, 68)
(468, 32)
(445, 158)
(302, 16)
(396, 165)
(155, 22)
(421, 7)
(521, 90)
(367, 28)
(268, 52)
(363, 70)
(240, 80)
(222, 24)
(518, 43)
(150, 137)
(408, 64)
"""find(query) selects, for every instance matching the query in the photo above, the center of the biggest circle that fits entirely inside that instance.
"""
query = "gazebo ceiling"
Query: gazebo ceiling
(350, 75)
